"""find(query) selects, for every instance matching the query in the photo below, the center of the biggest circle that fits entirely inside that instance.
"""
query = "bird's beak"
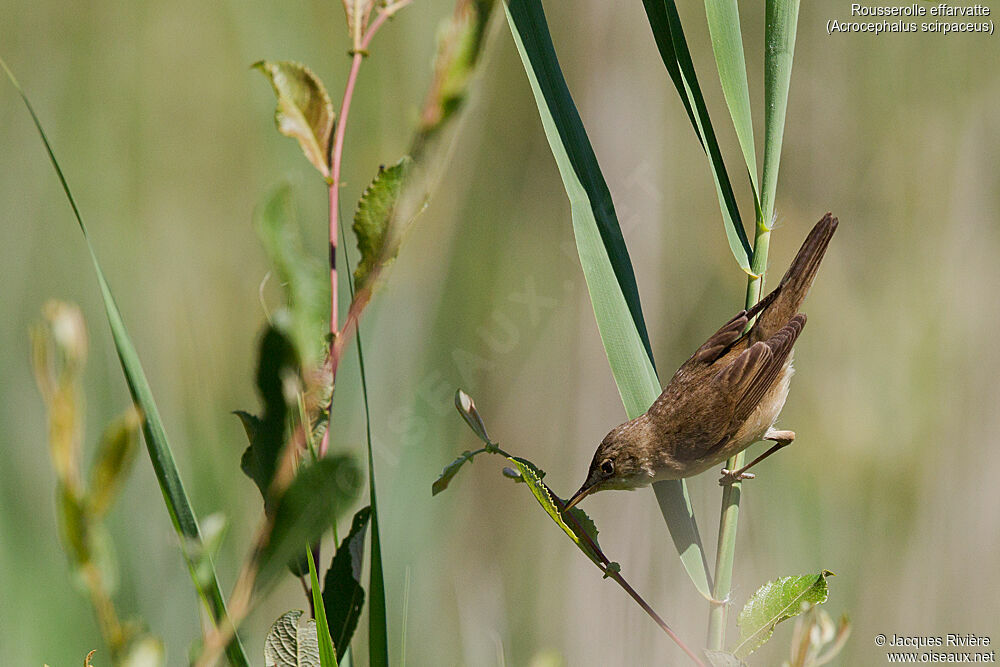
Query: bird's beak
(579, 495)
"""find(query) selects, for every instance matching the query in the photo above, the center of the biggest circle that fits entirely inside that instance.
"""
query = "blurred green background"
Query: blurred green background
(167, 138)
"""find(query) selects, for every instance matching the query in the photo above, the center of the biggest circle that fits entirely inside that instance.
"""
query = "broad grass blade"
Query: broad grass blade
(603, 256)
(781, 22)
(727, 44)
(670, 41)
(160, 454)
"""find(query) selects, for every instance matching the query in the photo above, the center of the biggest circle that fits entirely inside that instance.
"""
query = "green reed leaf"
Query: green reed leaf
(604, 258)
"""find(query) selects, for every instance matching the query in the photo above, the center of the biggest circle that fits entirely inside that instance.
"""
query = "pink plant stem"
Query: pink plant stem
(336, 159)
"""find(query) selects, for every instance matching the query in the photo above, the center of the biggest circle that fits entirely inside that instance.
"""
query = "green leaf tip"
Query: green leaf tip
(373, 220)
(327, 652)
(304, 110)
(774, 602)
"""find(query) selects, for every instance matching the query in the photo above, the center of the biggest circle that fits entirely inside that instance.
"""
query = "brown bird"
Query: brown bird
(723, 399)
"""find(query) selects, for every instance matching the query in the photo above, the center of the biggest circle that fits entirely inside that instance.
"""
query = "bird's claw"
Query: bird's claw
(731, 477)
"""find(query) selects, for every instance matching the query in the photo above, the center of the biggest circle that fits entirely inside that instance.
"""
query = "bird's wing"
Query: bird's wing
(719, 342)
(747, 379)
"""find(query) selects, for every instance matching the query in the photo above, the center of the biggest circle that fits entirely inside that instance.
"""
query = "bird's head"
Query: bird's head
(618, 463)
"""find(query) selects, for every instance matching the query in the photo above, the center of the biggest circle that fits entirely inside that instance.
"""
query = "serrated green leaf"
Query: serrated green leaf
(607, 267)
(304, 110)
(343, 594)
(373, 219)
(327, 652)
(723, 659)
(315, 498)
(530, 475)
(175, 498)
(115, 455)
(277, 367)
(289, 644)
(774, 602)
(304, 279)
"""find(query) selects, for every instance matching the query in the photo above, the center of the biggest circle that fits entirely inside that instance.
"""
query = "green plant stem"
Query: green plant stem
(729, 520)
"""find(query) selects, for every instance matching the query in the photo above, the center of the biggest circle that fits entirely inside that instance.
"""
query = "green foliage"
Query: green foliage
(343, 595)
(774, 602)
(450, 470)
(304, 279)
(289, 644)
(727, 43)
(670, 40)
(782, 18)
(459, 47)
(327, 652)
(604, 257)
(373, 220)
(113, 462)
(304, 110)
(579, 527)
(316, 497)
(278, 384)
(160, 454)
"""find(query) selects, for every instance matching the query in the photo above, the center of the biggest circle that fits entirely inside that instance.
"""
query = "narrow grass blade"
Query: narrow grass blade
(670, 41)
(781, 22)
(174, 496)
(327, 652)
(603, 256)
(727, 44)
(378, 624)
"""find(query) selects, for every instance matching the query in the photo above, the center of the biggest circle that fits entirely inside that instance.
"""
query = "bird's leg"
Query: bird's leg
(781, 440)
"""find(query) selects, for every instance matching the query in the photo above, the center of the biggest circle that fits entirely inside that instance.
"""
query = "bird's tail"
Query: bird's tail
(794, 286)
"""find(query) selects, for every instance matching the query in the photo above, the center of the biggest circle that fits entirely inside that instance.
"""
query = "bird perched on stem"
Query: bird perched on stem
(723, 399)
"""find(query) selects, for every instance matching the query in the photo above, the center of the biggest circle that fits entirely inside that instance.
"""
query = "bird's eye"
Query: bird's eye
(608, 468)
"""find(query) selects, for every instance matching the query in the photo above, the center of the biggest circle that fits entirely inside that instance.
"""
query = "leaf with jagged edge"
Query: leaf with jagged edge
(343, 594)
(774, 602)
(289, 644)
(304, 110)
(373, 219)
(532, 476)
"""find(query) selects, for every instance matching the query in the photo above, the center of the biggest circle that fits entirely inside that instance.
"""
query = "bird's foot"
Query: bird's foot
(733, 476)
